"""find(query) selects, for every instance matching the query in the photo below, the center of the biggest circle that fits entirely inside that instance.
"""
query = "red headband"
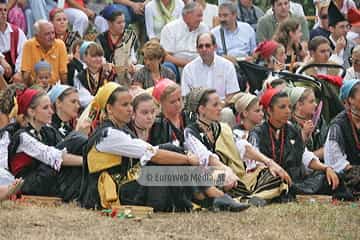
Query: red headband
(24, 99)
(160, 88)
(266, 48)
(53, 12)
(267, 96)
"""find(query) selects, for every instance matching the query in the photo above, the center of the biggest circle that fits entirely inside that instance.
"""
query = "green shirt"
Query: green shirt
(267, 25)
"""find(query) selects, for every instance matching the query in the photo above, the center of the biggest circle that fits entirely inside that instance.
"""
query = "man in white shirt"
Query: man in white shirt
(295, 8)
(233, 38)
(12, 40)
(210, 70)
(178, 37)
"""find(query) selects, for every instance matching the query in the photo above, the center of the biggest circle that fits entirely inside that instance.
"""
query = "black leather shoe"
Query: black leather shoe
(226, 203)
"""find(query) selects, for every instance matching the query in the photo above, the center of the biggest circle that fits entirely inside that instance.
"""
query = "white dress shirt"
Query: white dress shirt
(220, 75)
(179, 41)
(5, 42)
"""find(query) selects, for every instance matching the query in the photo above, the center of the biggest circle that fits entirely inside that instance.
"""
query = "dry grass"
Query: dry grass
(287, 221)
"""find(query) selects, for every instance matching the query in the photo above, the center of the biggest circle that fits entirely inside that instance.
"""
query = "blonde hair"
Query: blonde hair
(168, 91)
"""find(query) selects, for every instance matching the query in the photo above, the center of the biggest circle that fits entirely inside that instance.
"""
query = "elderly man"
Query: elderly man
(44, 46)
(233, 38)
(268, 23)
(209, 70)
(12, 40)
(179, 36)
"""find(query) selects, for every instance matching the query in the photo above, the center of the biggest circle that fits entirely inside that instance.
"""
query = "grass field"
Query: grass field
(286, 221)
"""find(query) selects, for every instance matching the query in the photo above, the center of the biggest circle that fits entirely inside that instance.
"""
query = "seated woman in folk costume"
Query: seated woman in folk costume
(218, 139)
(61, 24)
(142, 124)
(118, 44)
(280, 140)
(342, 148)
(171, 121)
(96, 74)
(36, 152)
(66, 105)
(249, 114)
(304, 116)
(114, 157)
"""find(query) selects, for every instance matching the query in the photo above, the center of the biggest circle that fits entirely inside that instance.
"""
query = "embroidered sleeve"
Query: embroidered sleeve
(84, 94)
(4, 143)
(307, 157)
(48, 155)
(334, 157)
(119, 143)
(193, 145)
(241, 144)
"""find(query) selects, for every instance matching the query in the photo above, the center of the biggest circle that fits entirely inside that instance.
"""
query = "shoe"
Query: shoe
(227, 203)
(257, 202)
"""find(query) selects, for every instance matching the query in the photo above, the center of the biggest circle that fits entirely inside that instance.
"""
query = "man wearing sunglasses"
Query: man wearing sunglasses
(323, 22)
(209, 70)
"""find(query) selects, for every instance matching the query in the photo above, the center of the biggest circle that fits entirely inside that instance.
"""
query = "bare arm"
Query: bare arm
(72, 160)
(63, 78)
(27, 78)
(166, 157)
(275, 169)
(3, 83)
(177, 61)
(331, 176)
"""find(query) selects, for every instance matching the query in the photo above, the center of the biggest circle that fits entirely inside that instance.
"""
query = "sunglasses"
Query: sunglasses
(325, 16)
(206, 45)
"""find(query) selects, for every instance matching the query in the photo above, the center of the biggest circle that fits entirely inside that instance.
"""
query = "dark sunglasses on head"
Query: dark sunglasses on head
(206, 45)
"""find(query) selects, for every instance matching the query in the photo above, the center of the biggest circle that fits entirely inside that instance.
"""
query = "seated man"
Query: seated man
(209, 70)
(268, 23)
(354, 71)
(247, 11)
(44, 46)
(179, 36)
(320, 50)
(233, 38)
(295, 9)
(339, 27)
(12, 40)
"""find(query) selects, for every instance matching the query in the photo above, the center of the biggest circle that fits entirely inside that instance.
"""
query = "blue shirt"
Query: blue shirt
(239, 43)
